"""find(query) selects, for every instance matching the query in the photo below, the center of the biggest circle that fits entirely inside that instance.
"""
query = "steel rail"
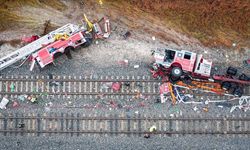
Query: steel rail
(131, 118)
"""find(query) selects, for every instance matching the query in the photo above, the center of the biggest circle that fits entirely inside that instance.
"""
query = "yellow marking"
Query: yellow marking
(172, 93)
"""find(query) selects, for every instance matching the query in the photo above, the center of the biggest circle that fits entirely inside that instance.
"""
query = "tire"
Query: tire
(58, 54)
(176, 72)
(67, 52)
(87, 43)
(231, 71)
(187, 80)
(238, 92)
(243, 77)
(226, 86)
(173, 79)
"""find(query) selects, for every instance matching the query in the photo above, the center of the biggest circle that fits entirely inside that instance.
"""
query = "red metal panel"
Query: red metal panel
(45, 56)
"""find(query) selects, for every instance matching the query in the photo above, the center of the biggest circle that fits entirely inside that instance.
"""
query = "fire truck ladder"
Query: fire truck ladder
(27, 50)
(212, 87)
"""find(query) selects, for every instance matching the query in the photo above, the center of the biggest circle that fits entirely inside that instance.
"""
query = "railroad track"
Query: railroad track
(63, 86)
(79, 124)
(88, 87)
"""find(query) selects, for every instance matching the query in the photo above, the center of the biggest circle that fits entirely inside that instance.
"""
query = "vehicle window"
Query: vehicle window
(187, 55)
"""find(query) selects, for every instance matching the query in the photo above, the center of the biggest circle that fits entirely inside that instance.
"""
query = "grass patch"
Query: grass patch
(210, 21)
(9, 18)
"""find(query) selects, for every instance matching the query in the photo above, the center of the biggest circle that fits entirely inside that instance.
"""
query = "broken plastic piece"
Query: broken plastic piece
(136, 66)
(15, 104)
(195, 108)
(3, 103)
(152, 128)
(116, 86)
(205, 109)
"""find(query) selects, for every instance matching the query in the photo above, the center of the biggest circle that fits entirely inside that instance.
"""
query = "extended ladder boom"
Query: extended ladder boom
(27, 50)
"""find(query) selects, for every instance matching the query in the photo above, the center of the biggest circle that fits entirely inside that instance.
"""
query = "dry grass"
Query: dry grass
(213, 22)
(10, 18)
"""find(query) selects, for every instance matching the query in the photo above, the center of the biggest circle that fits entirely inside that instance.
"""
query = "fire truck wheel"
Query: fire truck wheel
(176, 72)
(87, 43)
(67, 52)
(231, 71)
(238, 92)
(226, 85)
(173, 79)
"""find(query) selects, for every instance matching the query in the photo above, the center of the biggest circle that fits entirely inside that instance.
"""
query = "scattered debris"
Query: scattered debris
(126, 35)
(22, 97)
(205, 109)
(116, 86)
(32, 99)
(21, 125)
(146, 135)
(106, 85)
(223, 104)
(4, 103)
(164, 92)
(30, 39)
(12, 87)
(123, 62)
(15, 104)
(244, 104)
(136, 66)
(195, 108)
(152, 128)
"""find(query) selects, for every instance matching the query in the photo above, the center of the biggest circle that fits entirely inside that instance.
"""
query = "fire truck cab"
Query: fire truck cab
(179, 61)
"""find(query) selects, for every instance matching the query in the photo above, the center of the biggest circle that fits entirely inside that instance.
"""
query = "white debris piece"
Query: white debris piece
(195, 108)
(206, 102)
(220, 106)
(125, 61)
(244, 104)
(136, 66)
(3, 103)
(153, 38)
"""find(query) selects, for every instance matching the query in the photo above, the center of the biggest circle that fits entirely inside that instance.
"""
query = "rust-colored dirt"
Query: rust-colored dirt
(213, 22)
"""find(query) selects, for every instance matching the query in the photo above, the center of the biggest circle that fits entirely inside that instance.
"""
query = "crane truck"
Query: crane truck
(191, 70)
(44, 49)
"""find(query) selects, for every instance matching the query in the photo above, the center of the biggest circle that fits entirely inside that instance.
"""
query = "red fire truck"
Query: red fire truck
(47, 54)
(43, 50)
(182, 65)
